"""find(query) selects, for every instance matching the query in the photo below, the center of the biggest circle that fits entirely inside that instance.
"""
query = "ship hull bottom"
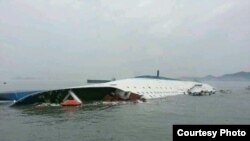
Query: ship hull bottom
(57, 96)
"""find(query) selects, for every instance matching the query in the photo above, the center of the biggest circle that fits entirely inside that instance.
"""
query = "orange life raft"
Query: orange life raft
(70, 103)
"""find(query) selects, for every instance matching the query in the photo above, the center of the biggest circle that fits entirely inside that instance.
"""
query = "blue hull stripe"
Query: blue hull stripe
(15, 95)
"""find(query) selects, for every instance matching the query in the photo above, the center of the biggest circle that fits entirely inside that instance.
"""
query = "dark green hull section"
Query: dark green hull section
(57, 96)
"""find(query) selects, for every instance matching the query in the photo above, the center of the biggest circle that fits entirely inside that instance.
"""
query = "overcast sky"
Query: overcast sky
(123, 38)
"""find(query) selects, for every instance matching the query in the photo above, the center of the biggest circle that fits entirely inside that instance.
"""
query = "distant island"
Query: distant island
(239, 76)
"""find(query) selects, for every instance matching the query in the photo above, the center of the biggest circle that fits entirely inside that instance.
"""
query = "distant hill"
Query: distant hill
(239, 76)
(236, 76)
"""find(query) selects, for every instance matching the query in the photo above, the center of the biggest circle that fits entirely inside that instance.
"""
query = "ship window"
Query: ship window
(149, 87)
(126, 93)
(135, 87)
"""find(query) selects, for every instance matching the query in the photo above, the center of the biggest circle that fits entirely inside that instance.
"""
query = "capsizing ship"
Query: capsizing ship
(132, 89)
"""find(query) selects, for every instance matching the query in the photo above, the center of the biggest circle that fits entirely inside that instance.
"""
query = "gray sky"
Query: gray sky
(123, 38)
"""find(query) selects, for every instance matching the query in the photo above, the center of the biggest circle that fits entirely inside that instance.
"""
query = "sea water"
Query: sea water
(147, 121)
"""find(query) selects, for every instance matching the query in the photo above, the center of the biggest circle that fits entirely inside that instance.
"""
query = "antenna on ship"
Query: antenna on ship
(158, 73)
